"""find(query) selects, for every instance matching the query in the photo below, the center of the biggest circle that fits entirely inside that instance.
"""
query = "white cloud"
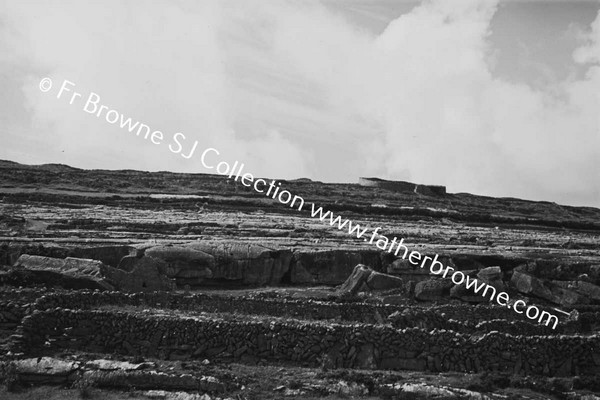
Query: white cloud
(292, 89)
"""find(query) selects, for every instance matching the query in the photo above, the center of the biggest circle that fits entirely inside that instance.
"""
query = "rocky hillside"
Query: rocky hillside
(181, 277)
(62, 181)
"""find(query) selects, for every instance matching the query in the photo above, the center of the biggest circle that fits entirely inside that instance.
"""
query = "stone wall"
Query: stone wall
(456, 317)
(23, 295)
(11, 314)
(349, 345)
(463, 318)
(451, 337)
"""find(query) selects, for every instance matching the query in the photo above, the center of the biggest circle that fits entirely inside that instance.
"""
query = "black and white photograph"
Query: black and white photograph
(299, 199)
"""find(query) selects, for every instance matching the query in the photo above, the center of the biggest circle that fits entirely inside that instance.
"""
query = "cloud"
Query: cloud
(449, 120)
(426, 83)
(162, 64)
(294, 89)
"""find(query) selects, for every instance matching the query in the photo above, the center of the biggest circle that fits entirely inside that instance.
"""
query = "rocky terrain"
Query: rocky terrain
(130, 284)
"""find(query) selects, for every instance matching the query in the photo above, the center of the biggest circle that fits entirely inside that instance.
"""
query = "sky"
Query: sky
(497, 98)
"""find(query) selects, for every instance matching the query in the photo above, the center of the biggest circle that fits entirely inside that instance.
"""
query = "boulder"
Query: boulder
(403, 268)
(127, 263)
(565, 297)
(355, 281)
(588, 291)
(533, 286)
(147, 274)
(379, 281)
(490, 274)
(530, 285)
(493, 277)
(433, 289)
(559, 270)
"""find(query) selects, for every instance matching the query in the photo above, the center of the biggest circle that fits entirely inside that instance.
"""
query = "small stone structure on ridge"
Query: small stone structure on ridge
(402, 186)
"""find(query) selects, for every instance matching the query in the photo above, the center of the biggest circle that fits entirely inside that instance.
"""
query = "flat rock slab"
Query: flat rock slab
(84, 270)
(46, 366)
(111, 365)
(165, 395)
(379, 281)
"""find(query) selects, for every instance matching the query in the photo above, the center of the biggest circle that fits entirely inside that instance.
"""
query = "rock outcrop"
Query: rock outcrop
(532, 286)
(355, 281)
(206, 263)
(184, 264)
(586, 289)
(492, 276)
(147, 274)
(72, 272)
(364, 279)
(330, 267)
(379, 281)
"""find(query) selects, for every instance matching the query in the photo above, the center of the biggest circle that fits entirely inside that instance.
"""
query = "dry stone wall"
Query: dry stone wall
(349, 346)
(456, 317)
